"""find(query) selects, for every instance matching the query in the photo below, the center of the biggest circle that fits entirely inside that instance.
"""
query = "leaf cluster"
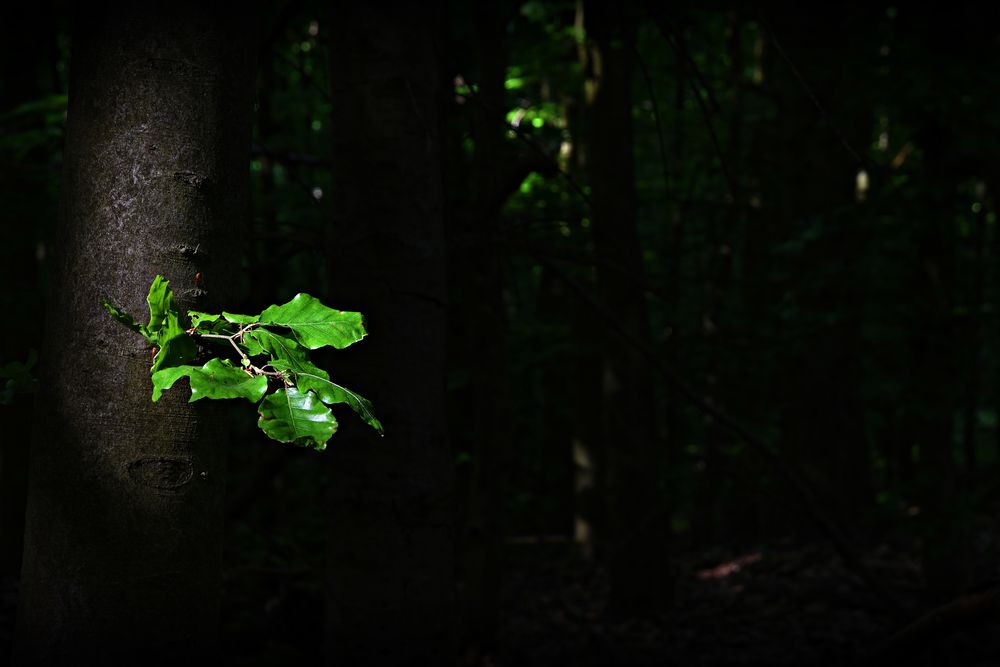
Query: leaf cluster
(273, 368)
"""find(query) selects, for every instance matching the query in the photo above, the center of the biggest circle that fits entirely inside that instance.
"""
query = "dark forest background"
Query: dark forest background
(722, 372)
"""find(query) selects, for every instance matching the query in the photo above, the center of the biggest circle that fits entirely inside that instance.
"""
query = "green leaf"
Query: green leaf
(176, 346)
(297, 413)
(263, 341)
(125, 319)
(316, 325)
(287, 355)
(240, 319)
(165, 329)
(330, 392)
(289, 415)
(311, 377)
(161, 302)
(209, 323)
(216, 379)
(197, 317)
(174, 351)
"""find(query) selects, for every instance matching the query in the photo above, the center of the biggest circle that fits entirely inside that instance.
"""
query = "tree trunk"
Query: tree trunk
(390, 579)
(821, 366)
(638, 523)
(934, 392)
(480, 291)
(124, 523)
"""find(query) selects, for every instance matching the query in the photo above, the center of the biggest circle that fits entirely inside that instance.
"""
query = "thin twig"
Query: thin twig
(807, 89)
(664, 163)
(552, 253)
(249, 367)
(687, 61)
(231, 342)
(289, 157)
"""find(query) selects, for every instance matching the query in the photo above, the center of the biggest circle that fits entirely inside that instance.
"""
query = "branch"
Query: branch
(664, 159)
(551, 253)
(279, 26)
(824, 115)
(289, 157)
(686, 61)
(939, 623)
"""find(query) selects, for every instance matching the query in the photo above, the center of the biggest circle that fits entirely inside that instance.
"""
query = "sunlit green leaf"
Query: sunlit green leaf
(165, 330)
(126, 319)
(216, 379)
(308, 376)
(289, 415)
(297, 413)
(236, 318)
(330, 392)
(161, 301)
(262, 341)
(208, 323)
(316, 325)
(176, 347)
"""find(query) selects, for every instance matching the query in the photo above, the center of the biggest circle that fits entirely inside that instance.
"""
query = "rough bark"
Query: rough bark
(390, 579)
(123, 539)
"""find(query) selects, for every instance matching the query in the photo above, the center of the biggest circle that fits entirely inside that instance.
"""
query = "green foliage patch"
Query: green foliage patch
(19, 379)
(274, 369)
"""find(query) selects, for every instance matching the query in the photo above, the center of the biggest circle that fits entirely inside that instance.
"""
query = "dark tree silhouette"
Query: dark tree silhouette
(390, 579)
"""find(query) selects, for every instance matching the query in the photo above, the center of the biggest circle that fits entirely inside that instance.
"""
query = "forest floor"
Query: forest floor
(780, 604)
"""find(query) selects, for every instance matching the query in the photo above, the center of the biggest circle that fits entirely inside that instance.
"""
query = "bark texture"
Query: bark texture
(124, 523)
(390, 580)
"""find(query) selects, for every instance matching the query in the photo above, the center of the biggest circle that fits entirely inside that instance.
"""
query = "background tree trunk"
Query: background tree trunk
(124, 522)
(823, 418)
(483, 343)
(390, 578)
(22, 30)
(639, 520)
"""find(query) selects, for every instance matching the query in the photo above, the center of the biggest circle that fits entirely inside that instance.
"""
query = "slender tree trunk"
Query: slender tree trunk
(390, 579)
(639, 524)
(935, 389)
(823, 418)
(481, 286)
(585, 364)
(124, 523)
(972, 335)
(717, 323)
(558, 423)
